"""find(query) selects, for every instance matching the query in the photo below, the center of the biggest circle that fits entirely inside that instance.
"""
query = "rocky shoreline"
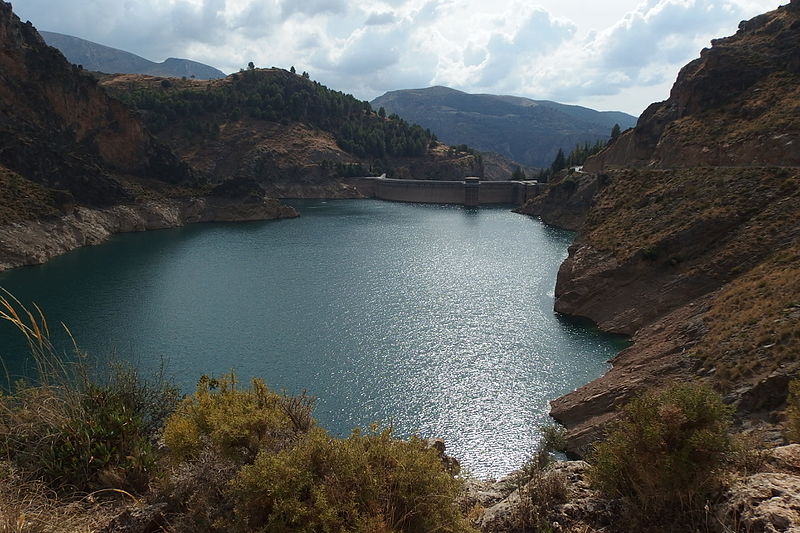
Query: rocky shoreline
(762, 501)
(34, 242)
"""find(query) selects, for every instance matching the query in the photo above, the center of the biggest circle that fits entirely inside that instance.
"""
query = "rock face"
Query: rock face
(35, 241)
(689, 235)
(59, 129)
(499, 506)
(737, 105)
(766, 502)
(763, 502)
(566, 204)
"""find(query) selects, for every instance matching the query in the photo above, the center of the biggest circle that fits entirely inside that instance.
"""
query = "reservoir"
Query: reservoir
(435, 319)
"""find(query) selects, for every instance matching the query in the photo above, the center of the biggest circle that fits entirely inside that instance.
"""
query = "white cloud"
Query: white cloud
(619, 54)
(379, 19)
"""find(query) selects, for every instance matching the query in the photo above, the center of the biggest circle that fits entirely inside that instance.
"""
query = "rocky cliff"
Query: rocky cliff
(738, 104)
(689, 235)
(77, 164)
(59, 129)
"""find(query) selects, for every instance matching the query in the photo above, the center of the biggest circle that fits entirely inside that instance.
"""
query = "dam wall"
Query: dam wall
(470, 192)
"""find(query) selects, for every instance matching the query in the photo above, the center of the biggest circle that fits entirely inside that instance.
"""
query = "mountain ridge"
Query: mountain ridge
(527, 131)
(283, 129)
(101, 58)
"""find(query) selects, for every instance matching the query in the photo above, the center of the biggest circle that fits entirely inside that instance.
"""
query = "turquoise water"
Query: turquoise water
(437, 319)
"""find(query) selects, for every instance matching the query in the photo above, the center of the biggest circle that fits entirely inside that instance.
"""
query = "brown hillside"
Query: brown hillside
(285, 153)
(697, 256)
(76, 165)
(736, 105)
(59, 129)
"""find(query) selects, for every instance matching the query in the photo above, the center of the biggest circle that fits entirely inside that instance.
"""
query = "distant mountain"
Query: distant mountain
(93, 56)
(528, 131)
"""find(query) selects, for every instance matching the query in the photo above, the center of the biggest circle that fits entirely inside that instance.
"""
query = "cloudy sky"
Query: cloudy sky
(609, 55)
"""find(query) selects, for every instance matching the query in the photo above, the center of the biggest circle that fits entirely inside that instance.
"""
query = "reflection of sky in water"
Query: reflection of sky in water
(436, 318)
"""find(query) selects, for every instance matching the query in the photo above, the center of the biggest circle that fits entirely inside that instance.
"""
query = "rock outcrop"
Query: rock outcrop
(59, 129)
(736, 105)
(766, 501)
(689, 235)
(567, 203)
(33, 242)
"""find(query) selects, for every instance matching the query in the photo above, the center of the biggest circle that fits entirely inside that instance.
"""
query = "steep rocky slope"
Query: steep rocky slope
(738, 104)
(59, 129)
(99, 58)
(293, 135)
(689, 234)
(524, 130)
(69, 153)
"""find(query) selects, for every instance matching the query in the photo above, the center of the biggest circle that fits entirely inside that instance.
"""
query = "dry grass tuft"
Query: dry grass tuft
(75, 431)
(752, 323)
(32, 507)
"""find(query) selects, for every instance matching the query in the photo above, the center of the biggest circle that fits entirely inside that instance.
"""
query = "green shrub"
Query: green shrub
(793, 411)
(236, 422)
(94, 439)
(650, 253)
(367, 482)
(275, 470)
(666, 450)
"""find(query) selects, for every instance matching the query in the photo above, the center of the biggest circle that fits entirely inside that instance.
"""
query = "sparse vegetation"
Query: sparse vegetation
(666, 452)
(540, 487)
(793, 411)
(23, 199)
(75, 431)
(752, 324)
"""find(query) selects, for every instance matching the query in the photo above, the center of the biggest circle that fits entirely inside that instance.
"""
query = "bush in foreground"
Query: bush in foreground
(236, 422)
(248, 459)
(368, 482)
(236, 458)
(666, 452)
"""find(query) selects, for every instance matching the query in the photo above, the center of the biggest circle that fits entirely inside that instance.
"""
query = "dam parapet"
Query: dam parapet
(470, 192)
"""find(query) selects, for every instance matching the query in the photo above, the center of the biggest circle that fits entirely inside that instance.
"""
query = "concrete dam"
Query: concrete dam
(470, 192)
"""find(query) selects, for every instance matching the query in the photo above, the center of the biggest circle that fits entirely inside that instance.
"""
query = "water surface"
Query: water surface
(436, 318)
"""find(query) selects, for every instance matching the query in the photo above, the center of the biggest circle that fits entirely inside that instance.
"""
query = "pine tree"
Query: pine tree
(559, 163)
